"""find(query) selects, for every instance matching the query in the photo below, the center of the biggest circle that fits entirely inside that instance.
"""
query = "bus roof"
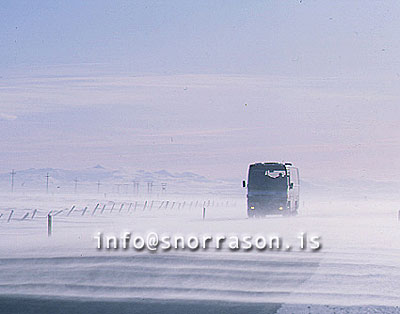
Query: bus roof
(269, 165)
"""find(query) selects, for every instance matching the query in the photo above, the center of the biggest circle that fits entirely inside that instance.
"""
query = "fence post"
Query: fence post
(71, 210)
(84, 211)
(49, 225)
(94, 210)
(59, 212)
(25, 216)
(11, 213)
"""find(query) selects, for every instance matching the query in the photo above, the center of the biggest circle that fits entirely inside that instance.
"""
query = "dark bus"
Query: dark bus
(272, 189)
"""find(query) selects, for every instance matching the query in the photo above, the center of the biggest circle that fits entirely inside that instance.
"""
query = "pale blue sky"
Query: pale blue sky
(162, 84)
(264, 37)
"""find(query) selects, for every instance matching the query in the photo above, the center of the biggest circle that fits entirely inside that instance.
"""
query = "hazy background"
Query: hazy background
(202, 86)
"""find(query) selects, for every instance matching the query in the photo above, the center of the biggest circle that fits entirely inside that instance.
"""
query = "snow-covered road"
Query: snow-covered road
(357, 269)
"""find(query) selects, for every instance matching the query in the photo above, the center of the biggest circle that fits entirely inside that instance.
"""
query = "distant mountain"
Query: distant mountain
(99, 178)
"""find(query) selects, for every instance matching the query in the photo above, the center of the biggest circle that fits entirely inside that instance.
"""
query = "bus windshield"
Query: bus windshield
(267, 179)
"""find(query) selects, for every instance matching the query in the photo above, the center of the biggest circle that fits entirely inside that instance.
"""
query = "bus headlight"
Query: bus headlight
(251, 207)
(281, 208)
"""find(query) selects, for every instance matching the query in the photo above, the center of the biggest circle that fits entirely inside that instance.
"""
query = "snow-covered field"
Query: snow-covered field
(357, 270)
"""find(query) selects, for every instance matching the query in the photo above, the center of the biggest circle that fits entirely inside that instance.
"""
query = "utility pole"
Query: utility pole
(126, 185)
(98, 187)
(135, 187)
(76, 185)
(13, 173)
(47, 182)
(149, 187)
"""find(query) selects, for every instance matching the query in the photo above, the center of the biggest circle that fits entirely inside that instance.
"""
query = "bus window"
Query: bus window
(294, 176)
(275, 173)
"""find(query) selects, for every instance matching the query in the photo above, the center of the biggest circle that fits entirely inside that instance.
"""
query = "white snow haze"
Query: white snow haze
(143, 117)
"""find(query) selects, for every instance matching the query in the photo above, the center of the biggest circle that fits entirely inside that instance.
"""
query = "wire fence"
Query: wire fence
(9, 215)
